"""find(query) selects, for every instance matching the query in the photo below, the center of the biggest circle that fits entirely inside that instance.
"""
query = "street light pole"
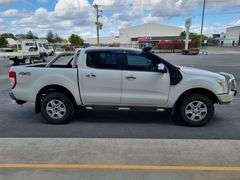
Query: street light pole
(98, 24)
(203, 14)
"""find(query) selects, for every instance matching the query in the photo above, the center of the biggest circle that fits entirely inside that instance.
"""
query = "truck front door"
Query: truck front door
(142, 84)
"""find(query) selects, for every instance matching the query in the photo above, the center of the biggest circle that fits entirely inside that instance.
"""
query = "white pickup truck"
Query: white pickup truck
(26, 50)
(122, 79)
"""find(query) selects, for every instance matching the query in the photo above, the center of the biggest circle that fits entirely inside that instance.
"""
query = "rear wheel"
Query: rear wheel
(31, 60)
(23, 61)
(15, 61)
(195, 110)
(57, 108)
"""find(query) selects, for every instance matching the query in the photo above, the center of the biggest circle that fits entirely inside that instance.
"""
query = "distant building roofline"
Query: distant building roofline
(232, 27)
(154, 23)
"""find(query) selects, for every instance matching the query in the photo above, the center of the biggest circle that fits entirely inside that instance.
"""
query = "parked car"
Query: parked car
(50, 50)
(120, 78)
(59, 51)
(191, 51)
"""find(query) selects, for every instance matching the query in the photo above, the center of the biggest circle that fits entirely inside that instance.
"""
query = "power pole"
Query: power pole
(203, 14)
(98, 24)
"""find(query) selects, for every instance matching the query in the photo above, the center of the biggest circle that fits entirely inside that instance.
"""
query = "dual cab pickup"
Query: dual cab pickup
(120, 78)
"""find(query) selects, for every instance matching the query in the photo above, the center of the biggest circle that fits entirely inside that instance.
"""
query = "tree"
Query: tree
(3, 42)
(194, 37)
(30, 35)
(57, 38)
(76, 40)
(8, 35)
(50, 37)
(53, 38)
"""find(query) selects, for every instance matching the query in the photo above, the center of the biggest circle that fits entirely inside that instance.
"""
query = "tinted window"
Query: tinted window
(30, 44)
(139, 62)
(104, 60)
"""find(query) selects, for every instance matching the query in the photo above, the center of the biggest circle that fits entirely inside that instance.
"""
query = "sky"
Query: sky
(78, 16)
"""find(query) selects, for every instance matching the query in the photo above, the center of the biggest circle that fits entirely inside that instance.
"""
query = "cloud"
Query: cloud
(9, 13)
(78, 16)
(164, 8)
(143, 11)
(66, 17)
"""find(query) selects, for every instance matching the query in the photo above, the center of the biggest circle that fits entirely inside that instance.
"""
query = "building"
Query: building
(218, 39)
(232, 36)
(138, 36)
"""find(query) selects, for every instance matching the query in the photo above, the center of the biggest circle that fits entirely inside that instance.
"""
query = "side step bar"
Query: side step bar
(125, 108)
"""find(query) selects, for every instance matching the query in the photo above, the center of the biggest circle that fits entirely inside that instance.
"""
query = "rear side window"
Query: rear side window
(63, 59)
(104, 60)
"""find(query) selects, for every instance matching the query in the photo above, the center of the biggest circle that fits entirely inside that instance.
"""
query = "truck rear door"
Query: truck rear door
(101, 78)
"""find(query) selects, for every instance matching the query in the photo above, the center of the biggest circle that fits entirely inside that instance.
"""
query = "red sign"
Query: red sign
(144, 39)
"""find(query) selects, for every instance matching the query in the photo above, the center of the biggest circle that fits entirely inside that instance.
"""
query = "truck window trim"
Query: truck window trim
(127, 67)
(119, 61)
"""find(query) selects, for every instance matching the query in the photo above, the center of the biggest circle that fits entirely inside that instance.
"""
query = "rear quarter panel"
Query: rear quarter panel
(29, 85)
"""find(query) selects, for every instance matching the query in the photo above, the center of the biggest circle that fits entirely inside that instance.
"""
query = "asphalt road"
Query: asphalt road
(21, 121)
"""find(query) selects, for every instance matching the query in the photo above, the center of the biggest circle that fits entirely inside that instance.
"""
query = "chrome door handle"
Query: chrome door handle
(131, 77)
(91, 75)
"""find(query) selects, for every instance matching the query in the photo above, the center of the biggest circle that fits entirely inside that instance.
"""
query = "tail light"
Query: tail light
(13, 78)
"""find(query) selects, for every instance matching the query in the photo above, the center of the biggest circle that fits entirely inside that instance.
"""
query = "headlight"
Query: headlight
(222, 82)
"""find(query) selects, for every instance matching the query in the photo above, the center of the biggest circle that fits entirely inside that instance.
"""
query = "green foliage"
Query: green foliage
(8, 35)
(50, 37)
(194, 37)
(76, 40)
(57, 38)
(30, 35)
(53, 38)
(3, 42)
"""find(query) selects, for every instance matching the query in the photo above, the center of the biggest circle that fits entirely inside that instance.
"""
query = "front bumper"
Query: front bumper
(227, 98)
(231, 91)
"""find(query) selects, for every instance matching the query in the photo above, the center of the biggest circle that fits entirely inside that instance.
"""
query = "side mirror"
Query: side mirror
(161, 68)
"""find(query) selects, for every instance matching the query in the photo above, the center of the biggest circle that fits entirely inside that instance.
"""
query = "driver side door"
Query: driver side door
(142, 84)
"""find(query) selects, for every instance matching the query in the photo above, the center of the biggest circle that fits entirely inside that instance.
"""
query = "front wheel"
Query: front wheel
(57, 108)
(196, 110)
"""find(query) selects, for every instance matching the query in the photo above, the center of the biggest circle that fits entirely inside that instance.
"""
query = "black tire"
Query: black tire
(42, 57)
(31, 60)
(16, 62)
(23, 61)
(181, 115)
(68, 104)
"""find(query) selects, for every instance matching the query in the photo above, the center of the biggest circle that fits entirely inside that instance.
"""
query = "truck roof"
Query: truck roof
(111, 48)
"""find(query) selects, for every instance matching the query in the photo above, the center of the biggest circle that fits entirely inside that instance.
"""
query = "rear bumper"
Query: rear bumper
(227, 98)
(20, 102)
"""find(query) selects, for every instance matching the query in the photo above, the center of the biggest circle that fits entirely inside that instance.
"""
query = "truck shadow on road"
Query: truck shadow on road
(21, 121)
(107, 116)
